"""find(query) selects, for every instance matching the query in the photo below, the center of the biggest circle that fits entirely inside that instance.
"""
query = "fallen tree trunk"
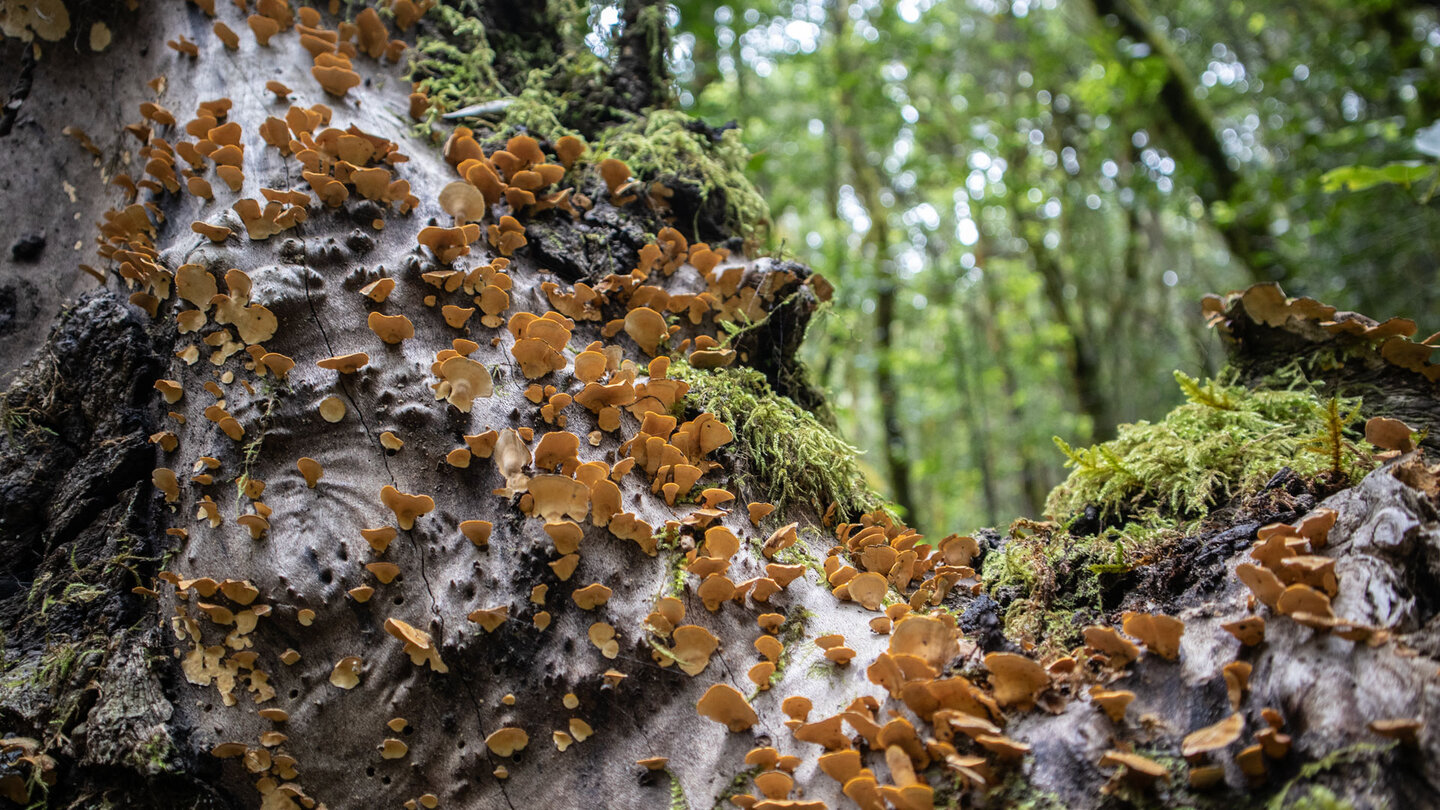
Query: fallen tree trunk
(541, 596)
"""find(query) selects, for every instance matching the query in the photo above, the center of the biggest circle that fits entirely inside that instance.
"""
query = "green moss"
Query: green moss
(460, 63)
(1016, 793)
(800, 554)
(157, 755)
(1317, 797)
(56, 664)
(782, 450)
(791, 635)
(667, 542)
(534, 111)
(663, 146)
(1321, 798)
(250, 453)
(1159, 479)
(1223, 441)
(1057, 575)
(454, 66)
(31, 404)
(736, 787)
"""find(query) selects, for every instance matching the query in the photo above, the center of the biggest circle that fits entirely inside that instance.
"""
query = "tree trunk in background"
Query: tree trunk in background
(1081, 356)
(359, 622)
(976, 404)
(642, 63)
(1189, 122)
(867, 188)
(1032, 485)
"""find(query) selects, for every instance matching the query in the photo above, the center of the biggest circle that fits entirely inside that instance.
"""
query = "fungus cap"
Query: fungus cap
(869, 589)
(932, 640)
(1159, 633)
(386, 572)
(1137, 769)
(1389, 434)
(477, 531)
(332, 409)
(693, 647)
(311, 470)
(379, 538)
(591, 596)
(1404, 729)
(507, 741)
(406, 507)
(1213, 737)
(391, 328)
(1017, 680)
(463, 201)
(345, 363)
(725, 705)
(490, 618)
(1112, 702)
(465, 380)
(346, 673)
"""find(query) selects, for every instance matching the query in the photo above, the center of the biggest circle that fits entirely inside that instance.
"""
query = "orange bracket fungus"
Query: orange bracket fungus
(591, 596)
(490, 618)
(726, 706)
(345, 363)
(406, 507)
(1137, 770)
(461, 381)
(1017, 680)
(418, 644)
(477, 531)
(1214, 737)
(311, 470)
(391, 328)
(346, 673)
(1160, 634)
(507, 741)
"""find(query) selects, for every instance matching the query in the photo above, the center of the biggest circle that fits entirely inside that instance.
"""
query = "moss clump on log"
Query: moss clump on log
(784, 449)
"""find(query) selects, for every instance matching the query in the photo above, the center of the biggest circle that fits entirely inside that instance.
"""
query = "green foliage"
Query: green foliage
(737, 785)
(456, 66)
(1039, 206)
(667, 542)
(1017, 792)
(1159, 478)
(1210, 394)
(1406, 174)
(792, 635)
(782, 450)
(1221, 442)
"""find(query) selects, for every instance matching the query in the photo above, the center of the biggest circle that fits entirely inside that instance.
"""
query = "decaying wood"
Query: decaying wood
(122, 707)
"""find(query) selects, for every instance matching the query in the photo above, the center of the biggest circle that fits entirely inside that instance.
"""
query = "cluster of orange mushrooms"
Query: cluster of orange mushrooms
(1266, 304)
(878, 564)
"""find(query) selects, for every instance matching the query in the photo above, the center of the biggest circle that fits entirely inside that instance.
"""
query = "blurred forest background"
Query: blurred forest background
(1021, 203)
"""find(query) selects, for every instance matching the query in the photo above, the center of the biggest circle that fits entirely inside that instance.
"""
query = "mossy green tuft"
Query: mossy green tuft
(782, 449)
(664, 145)
(1221, 442)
